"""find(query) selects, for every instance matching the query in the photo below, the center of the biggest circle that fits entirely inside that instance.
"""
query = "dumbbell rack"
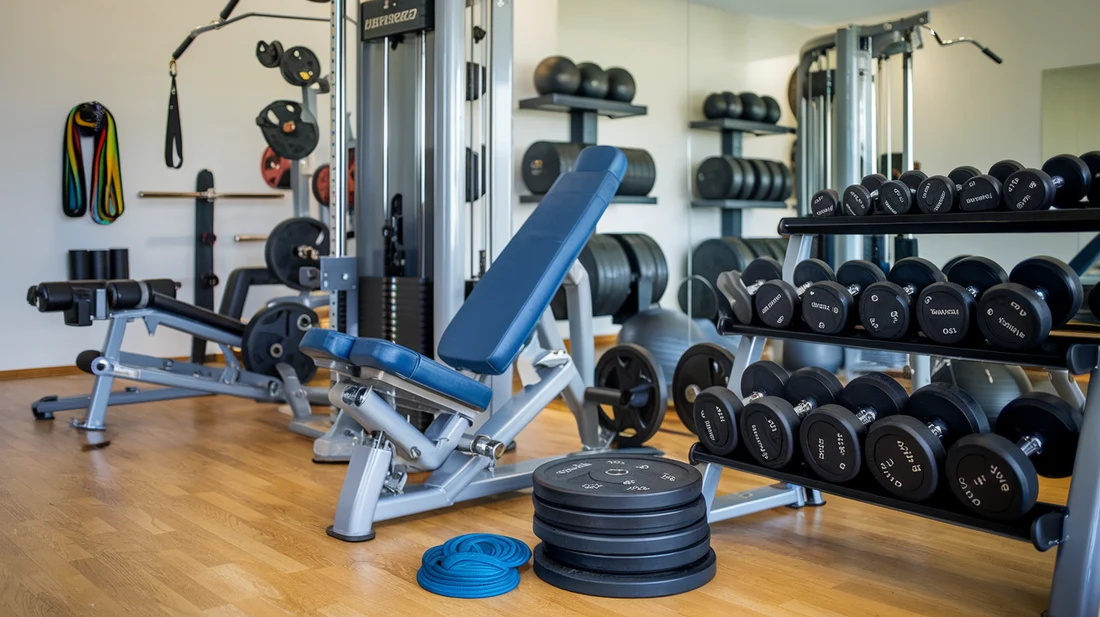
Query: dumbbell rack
(584, 113)
(1075, 588)
(733, 132)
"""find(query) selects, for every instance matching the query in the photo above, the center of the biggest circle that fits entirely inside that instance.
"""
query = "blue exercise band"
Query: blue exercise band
(476, 565)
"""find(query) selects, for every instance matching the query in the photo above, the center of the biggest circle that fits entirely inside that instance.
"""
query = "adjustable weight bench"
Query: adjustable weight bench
(505, 319)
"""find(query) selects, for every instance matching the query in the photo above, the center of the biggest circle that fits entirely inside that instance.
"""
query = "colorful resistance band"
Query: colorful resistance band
(92, 120)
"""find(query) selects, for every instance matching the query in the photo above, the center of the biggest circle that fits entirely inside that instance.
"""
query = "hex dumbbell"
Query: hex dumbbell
(1043, 293)
(832, 436)
(717, 411)
(739, 288)
(985, 191)
(940, 194)
(829, 307)
(997, 474)
(897, 196)
(770, 424)
(885, 308)
(861, 199)
(777, 301)
(906, 453)
(1063, 181)
(946, 311)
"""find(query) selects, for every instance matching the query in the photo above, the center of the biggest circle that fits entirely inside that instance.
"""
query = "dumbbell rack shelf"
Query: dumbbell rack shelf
(732, 131)
(941, 506)
(583, 115)
(1074, 529)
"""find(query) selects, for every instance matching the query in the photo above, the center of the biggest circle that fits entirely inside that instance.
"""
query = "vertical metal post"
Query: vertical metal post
(498, 198)
(907, 104)
(847, 145)
(338, 176)
(449, 158)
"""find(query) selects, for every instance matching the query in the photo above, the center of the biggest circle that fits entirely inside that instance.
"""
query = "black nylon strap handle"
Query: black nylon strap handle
(173, 136)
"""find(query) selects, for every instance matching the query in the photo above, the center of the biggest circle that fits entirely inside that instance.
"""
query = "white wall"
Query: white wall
(118, 53)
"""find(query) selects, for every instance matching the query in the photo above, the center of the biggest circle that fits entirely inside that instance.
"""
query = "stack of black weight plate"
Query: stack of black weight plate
(622, 526)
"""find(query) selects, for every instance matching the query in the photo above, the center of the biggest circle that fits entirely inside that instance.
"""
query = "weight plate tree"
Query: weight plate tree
(631, 374)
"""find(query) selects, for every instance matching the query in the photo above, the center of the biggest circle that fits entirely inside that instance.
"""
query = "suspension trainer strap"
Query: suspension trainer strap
(92, 120)
(173, 135)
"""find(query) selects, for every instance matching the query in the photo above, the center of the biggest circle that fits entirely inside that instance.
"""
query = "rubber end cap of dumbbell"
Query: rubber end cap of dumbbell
(857, 201)
(716, 415)
(825, 203)
(980, 194)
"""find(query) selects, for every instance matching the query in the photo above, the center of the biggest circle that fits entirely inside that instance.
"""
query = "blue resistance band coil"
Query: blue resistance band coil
(476, 565)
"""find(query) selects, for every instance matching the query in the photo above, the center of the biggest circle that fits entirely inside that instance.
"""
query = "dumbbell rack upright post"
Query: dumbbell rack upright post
(1073, 529)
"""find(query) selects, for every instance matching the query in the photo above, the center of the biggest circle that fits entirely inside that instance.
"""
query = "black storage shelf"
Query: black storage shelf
(941, 507)
(745, 126)
(738, 204)
(618, 199)
(566, 103)
(1077, 355)
(1037, 221)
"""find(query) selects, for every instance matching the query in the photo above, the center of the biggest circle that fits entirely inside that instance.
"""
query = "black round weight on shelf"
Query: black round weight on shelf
(608, 544)
(905, 453)
(606, 585)
(940, 194)
(1092, 161)
(609, 277)
(773, 111)
(702, 303)
(647, 261)
(272, 337)
(1064, 180)
(269, 54)
(763, 185)
(830, 307)
(621, 86)
(545, 161)
(716, 413)
(825, 202)
(299, 66)
(753, 106)
(620, 523)
(770, 425)
(715, 256)
(861, 199)
(714, 106)
(897, 196)
(630, 564)
(617, 483)
(963, 173)
(594, 82)
(777, 301)
(720, 177)
(997, 475)
(1043, 293)
(778, 171)
(1001, 170)
(739, 288)
(946, 311)
(734, 108)
(703, 365)
(557, 75)
(293, 244)
(885, 308)
(832, 436)
(633, 372)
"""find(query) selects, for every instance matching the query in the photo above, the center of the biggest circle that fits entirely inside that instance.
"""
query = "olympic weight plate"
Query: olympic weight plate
(300, 66)
(702, 366)
(294, 244)
(289, 129)
(275, 170)
(620, 523)
(606, 585)
(638, 544)
(272, 337)
(320, 184)
(629, 564)
(623, 483)
(632, 371)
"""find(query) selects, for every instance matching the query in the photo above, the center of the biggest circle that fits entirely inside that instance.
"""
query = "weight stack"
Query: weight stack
(544, 161)
(398, 309)
(731, 177)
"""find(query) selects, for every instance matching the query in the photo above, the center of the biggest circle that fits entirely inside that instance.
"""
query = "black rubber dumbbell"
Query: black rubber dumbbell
(897, 196)
(1063, 182)
(906, 453)
(984, 192)
(832, 436)
(1043, 293)
(997, 474)
(947, 311)
(1092, 160)
(777, 302)
(829, 307)
(825, 202)
(770, 425)
(739, 288)
(885, 309)
(862, 199)
(717, 411)
(940, 194)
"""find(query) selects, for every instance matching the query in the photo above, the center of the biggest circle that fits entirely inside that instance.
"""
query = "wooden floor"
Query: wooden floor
(211, 507)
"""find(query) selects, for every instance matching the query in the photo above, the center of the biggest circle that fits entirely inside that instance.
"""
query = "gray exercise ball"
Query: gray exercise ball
(992, 385)
(797, 354)
(665, 334)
